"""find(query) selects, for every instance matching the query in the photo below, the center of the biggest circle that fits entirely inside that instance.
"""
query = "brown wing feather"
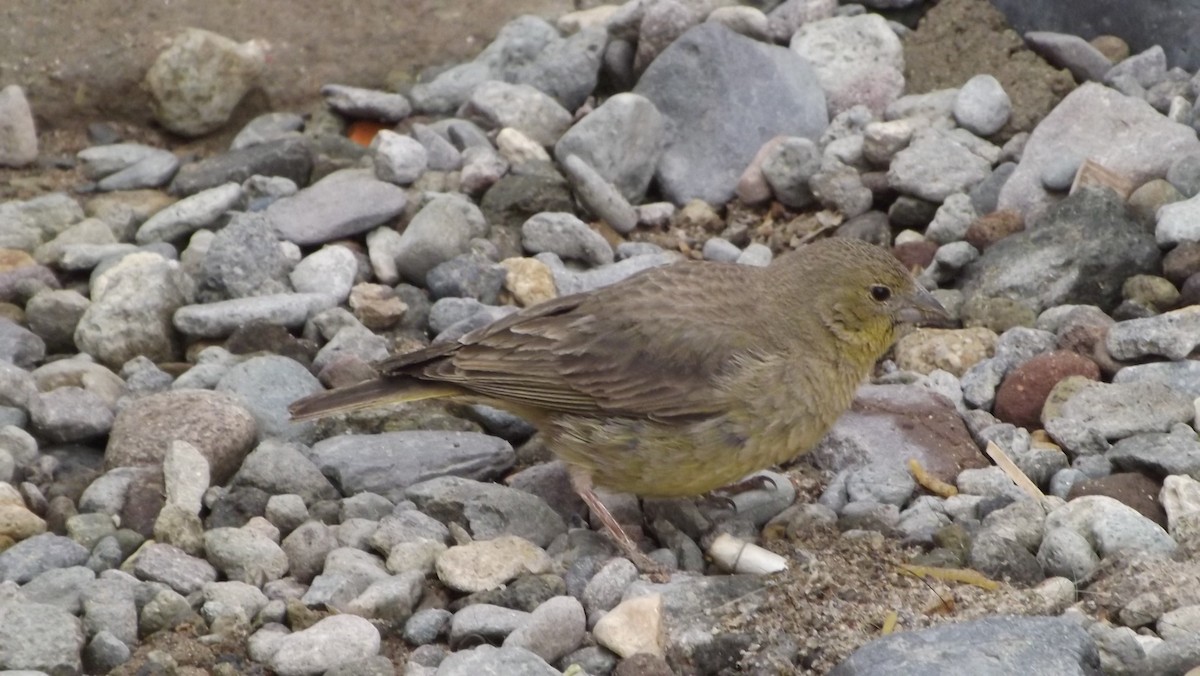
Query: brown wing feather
(636, 348)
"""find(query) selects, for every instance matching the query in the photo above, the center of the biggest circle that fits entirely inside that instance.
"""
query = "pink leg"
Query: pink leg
(581, 481)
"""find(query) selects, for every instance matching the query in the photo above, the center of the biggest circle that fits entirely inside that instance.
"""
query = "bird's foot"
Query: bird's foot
(758, 482)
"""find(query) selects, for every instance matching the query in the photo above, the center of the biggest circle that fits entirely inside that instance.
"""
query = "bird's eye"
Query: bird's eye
(880, 292)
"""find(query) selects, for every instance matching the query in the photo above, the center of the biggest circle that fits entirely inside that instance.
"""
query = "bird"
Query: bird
(677, 380)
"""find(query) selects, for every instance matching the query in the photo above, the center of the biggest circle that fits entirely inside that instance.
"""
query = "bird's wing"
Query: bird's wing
(656, 345)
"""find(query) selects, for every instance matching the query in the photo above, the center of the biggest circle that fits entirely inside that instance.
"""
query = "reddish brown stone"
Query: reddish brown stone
(1020, 397)
(993, 227)
(1131, 488)
(916, 254)
(1182, 262)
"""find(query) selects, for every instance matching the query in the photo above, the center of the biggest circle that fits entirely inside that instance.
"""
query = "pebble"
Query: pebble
(330, 270)
(488, 510)
(982, 107)
(1072, 52)
(567, 236)
(18, 137)
(633, 626)
(325, 645)
(40, 638)
(441, 230)
(1082, 414)
(190, 214)
(371, 104)
(598, 195)
(399, 159)
(1110, 526)
(499, 104)
(342, 204)
(688, 82)
(487, 564)
(219, 319)
(267, 127)
(504, 660)
(1177, 222)
(198, 80)
(788, 166)
(553, 629)
(288, 157)
(622, 140)
(1040, 644)
(857, 59)
(936, 165)
(392, 462)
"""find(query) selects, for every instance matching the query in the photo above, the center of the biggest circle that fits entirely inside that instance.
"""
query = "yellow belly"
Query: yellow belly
(655, 459)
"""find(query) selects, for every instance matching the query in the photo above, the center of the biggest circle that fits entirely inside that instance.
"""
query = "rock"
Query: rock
(1020, 397)
(1159, 454)
(490, 659)
(37, 554)
(243, 555)
(622, 139)
(222, 318)
(1129, 488)
(1064, 257)
(171, 566)
(1081, 414)
(325, 645)
(20, 346)
(982, 106)
(289, 157)
(1110, 526)
(488, 564)
(392, 462)
(1176, 222)
(190, 214)
(953, 350)
(857, 59)
(936, 165)
(500, 104)
(941, 443)
(633, 626)
(131, 310)
(342, 204)
(196, 83)
(707, 149)
(1122, 134)
(40, 638)
(1071, 52)
(553, 629)
(399, 159)
(18, 134)
(567, 236)
(487, 510)
(212, 422)
(357, 102)
(441, 230)
(266, 386)
(598, 195)
(1041, 644)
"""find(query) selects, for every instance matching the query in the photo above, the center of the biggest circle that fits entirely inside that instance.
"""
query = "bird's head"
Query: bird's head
(862, 294)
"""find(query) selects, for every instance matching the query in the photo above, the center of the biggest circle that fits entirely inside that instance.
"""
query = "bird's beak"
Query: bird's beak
(920, 308)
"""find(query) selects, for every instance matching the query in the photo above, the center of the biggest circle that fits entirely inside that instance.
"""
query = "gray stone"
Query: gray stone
(389, 463)
(487, 510)
(566, 236)
(399, 159)
(141, 286)
(341, 204)
(487, 660)
(267, 127)
(888, 484)
(1066, 257)
(936, 165)
(1099, 411)
(219, 319)
(20, 346)
(711, 142)
(598, 195)
(788, 166)
(982, 106)
(984, 647)
(110, 604)
(857, 59)
(1158, 454)
(40, 638)
(196, 82)
(1065, 553)
(1071, 52)
(289, 158)
(487, 621)
(151, 172)
(442, 229)
(244, 259)
(190, 214)
(61, 587)
(1177, 222)
(427, 625)
(18, 134)
(553, 629)
(1123, 134)
(33, 556)
(67, 414)
(244, 555)
(53, 315)
(372, 104)
(325, 645)
(104, 653)
(466, 276)
(1181, 376)
(621, 140)
(567, 70)
(173, 567)
(499, 104)
(1110, 526)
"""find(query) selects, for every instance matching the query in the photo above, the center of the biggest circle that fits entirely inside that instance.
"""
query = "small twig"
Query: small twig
(964, 575)
(1010, 468)
(928, 481)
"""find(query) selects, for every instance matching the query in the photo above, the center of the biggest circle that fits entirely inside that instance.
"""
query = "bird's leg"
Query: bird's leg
(758, 482)
(581, 481)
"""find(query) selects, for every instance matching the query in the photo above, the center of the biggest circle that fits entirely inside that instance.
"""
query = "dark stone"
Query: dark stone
(289, 157)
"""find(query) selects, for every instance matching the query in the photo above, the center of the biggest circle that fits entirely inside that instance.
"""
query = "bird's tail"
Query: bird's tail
(370, 394)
